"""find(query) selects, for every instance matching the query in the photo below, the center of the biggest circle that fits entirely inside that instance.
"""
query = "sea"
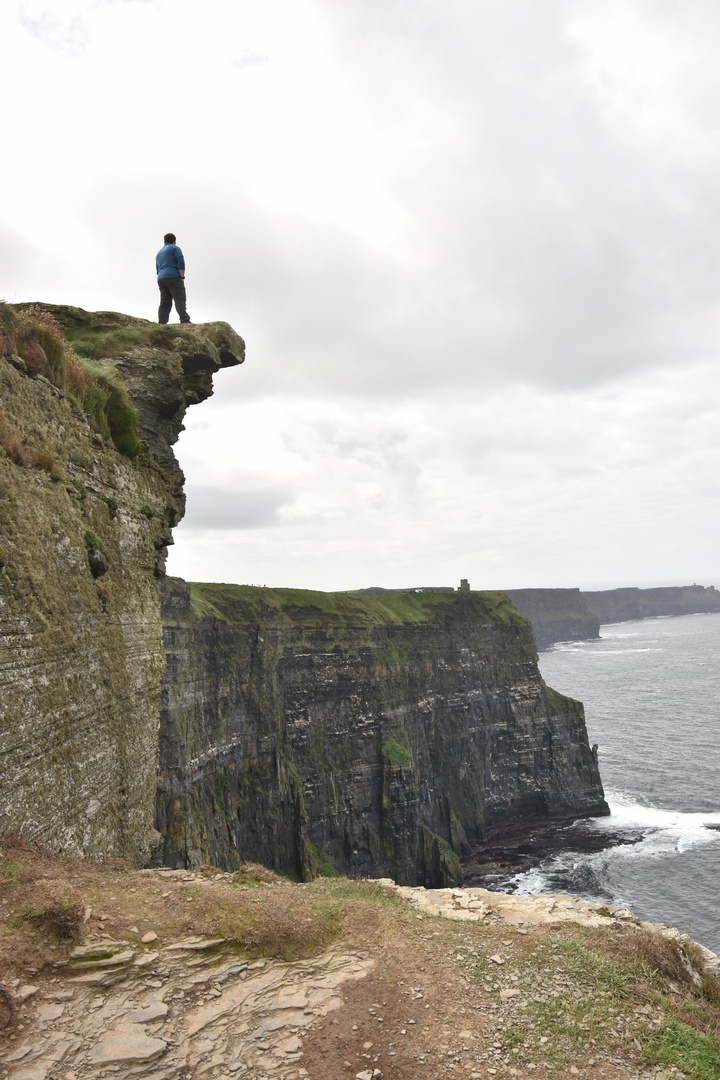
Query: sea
(651, 691)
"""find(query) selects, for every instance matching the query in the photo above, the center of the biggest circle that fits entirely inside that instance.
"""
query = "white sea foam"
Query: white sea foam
(659, 833)
(666, 830)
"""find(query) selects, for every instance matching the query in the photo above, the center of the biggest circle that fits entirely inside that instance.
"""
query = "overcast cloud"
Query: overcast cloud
(472, 247)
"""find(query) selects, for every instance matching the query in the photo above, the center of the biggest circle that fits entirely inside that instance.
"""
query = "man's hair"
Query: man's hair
(169, 238)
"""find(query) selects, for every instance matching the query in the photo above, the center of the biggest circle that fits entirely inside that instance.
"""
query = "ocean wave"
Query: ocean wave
(627, 652)
(650, 833)
(665, 830)
(596, 648)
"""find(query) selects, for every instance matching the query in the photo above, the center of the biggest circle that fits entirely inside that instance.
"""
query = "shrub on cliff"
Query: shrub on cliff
(106, 402)
(8, 329)
(41, 344)
(98, 555)
(37, 338)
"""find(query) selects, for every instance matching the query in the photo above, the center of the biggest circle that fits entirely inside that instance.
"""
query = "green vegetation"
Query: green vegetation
(249, 603)
(106, 402)
(583, 985)
(398, 654)
(104, 341)
(10, 871)
(83, 348)
(147, 511)
(94, 543)
(555, 700)
(395, 753)
(325, 866)
(680, 1045)
(361, 890)
(95, 388)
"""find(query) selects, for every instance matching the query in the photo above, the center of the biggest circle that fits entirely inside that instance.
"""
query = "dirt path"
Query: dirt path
(400, 992)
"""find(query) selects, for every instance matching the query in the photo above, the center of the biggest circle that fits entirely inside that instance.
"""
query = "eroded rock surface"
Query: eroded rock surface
(82, 657)
(380, 734)
(194, 1008)
(190, 1009)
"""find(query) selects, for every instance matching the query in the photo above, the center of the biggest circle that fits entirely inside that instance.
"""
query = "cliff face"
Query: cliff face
(556, 614)
(373, 734)
(571, 615)
(81, 650)
(621, 605)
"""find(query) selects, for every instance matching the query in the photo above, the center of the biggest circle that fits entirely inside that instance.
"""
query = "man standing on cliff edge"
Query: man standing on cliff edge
(170, 266)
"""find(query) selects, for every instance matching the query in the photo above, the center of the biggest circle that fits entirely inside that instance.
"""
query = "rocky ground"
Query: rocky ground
(513, 848)
(110, 972)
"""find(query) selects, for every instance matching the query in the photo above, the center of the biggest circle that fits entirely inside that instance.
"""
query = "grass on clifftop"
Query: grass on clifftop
(99, 342)
(36, 337)
(250, 604)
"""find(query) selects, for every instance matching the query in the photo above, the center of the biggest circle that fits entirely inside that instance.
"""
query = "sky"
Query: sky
(471, 245)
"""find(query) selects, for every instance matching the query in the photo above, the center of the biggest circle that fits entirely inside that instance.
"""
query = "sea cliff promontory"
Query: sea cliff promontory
(556, 614)
(623, 605)
(572, 615)
(308, 731)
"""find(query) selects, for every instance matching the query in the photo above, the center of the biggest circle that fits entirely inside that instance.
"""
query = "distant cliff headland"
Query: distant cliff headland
(571, 615)
(309, 731)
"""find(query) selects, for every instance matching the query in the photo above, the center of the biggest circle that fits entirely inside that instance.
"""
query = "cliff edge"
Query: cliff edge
(90, 406)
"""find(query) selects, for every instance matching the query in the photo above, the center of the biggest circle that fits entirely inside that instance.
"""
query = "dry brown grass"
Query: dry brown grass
(55, 908)
(253, 873)
(44, 897)
(11, 441)
(34, 356)
(657, 955)
(280, 922)
(75, 378)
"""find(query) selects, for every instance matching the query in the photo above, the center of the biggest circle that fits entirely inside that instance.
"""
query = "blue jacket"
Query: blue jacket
(169, 261)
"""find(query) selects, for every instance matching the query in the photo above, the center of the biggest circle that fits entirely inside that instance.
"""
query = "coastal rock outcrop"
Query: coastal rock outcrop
(556, 614)
(622, 605)
(572, 615)
(371, 735)
(84, 530)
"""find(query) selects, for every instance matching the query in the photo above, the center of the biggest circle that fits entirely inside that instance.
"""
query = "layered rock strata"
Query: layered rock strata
(622, 605)
(556, 615)
(372, 735)
(571, 615)
(81, 650)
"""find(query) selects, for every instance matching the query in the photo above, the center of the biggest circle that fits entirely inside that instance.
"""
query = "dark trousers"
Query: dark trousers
(172, 288)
